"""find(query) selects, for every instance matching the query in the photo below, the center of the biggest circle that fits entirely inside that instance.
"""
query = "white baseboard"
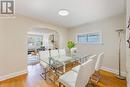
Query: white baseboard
(12, 75)
(113, 70)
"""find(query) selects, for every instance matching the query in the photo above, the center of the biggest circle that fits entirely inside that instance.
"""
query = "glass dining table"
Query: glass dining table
(57, 65)
(62, 61)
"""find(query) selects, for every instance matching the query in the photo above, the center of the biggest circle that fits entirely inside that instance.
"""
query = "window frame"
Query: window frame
(90, 33)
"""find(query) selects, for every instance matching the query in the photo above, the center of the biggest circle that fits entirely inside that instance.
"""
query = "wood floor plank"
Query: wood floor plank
(33, 79)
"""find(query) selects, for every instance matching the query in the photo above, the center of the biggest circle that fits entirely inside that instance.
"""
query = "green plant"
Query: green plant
(70, 44)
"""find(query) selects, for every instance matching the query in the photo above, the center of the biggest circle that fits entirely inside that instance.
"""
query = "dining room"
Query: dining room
(64, 43)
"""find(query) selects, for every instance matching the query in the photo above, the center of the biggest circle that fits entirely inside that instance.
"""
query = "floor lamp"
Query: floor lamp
(119, 74)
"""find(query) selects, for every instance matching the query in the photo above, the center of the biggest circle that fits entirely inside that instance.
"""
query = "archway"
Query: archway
(40, 39)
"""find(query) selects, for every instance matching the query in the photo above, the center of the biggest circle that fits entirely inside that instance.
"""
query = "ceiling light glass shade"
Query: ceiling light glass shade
(63, 12)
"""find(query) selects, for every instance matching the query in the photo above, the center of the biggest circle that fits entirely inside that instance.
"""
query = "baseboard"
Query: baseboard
(113, 70)
(12, 75)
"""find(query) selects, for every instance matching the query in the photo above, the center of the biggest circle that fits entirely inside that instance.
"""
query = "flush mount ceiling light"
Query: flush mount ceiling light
(63, 12)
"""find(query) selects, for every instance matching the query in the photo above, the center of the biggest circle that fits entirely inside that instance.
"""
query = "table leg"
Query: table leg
(64, 68)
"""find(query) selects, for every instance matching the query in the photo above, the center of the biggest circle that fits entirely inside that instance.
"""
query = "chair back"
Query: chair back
(44, 56)
(84, 73)
(54, 53)
(94, 57)
(62, 52)
(99, 61)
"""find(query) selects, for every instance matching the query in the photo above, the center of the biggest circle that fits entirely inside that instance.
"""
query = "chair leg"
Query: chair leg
(90, 84)
(59, 84)
(98, 76)
(44, 75)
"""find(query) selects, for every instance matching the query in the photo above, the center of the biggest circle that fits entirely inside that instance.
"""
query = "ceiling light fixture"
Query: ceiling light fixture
(63, 12)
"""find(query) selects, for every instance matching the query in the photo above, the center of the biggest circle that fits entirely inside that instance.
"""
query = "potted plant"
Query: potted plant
(70, 45)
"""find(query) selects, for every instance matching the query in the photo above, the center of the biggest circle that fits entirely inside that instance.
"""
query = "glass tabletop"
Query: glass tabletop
(58, 61)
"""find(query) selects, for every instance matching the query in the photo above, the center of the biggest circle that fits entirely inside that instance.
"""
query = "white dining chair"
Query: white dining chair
(54, 53)
(62, 52)
(80, 79)
(76, 69)
(44, 62)
(98, 66)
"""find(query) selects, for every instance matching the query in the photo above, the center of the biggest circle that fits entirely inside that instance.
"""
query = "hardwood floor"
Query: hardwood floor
(33, 79)
(109, 80)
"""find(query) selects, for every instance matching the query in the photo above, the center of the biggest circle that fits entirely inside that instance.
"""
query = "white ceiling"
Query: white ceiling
(81, 11)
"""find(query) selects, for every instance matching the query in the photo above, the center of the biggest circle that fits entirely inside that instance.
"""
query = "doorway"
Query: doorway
(40, 39)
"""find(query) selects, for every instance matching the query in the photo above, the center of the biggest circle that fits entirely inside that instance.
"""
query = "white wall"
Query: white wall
(108, 28)
(128, 49)
(13, 43)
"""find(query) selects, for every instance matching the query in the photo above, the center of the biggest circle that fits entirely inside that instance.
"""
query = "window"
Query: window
(82, 38)
(89, 38)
